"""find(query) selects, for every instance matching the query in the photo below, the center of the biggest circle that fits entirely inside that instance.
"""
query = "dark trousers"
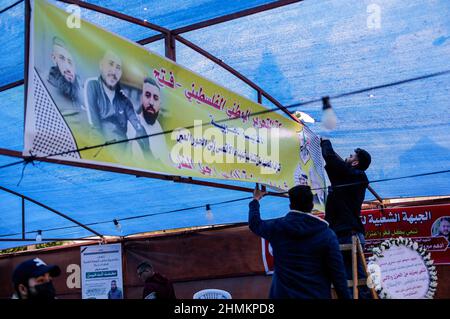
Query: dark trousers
(364, 291)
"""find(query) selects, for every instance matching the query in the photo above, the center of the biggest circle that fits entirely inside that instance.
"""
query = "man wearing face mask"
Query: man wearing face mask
(32, 279)
(345, 197)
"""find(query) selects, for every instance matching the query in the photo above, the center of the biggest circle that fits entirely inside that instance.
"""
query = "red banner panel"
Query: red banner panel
(427, 225)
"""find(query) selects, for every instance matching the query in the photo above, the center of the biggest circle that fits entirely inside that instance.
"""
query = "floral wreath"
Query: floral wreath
(426, 257)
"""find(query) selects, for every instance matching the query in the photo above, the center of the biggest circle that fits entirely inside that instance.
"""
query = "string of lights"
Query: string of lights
(359, 91)
(117, 220)
(296, 105)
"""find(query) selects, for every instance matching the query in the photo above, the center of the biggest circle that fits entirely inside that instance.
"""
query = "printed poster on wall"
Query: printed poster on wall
(91, 91)
(429, 226)
(101, 272)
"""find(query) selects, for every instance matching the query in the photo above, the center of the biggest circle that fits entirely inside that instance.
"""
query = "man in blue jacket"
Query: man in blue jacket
(307, 259)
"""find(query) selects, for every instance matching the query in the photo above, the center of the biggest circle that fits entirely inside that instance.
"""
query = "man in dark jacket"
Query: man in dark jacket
(156, 286)
(306, 252)
(345, 197)
(109, 109)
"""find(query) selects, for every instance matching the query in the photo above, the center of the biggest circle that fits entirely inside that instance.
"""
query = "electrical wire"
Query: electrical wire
(224, 202)
(427, 76)
(30, 159)
(11, 6)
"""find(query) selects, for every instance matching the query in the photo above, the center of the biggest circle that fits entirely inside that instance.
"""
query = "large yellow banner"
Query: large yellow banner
(89, 87)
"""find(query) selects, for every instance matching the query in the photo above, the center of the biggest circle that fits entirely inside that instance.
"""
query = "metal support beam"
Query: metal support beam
(23, 218)
(48, 239)
(50, 209)
(233, 16)
(117, 15)
(138, 173)
(158, 28)
(235, 73)
(151, 39)
(11, 85)
(27, 55)
(374, 193)
(170, 47)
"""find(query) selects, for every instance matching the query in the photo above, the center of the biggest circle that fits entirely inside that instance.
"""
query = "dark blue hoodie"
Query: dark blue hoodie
(306, 254)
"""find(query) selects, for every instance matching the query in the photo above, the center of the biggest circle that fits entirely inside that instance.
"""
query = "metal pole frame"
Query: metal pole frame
(47, 208)
(47, 240)
(170, 36)
(137, 173)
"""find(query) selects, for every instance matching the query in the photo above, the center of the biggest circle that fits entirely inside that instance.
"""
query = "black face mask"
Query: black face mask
(43, 291)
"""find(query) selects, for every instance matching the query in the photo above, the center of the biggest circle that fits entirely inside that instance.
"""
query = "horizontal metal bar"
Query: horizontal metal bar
(50, 209)
(117, 15)
(11, 85)
(235, 73)
(47, 240)
(233, 16)
(138, 173)
(151, 39)
(344, 247)
(10, 6)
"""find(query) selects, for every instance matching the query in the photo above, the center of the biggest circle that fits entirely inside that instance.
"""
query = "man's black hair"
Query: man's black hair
(364, 158)
(301, 198)
(144, 265)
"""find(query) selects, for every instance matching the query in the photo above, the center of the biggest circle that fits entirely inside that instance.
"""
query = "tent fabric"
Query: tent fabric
(297, 53)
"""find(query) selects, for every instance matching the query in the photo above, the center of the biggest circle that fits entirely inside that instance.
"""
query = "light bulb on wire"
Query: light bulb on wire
(329, 118)
(209, 214)
(117, 224)
(39, 236)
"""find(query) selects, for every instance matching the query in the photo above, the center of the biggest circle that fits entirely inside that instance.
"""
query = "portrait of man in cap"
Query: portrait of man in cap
(32, 279)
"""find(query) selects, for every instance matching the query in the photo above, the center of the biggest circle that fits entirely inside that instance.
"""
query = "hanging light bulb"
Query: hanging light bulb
(117, 224)
(39, 236)
(329, 119)
(302, 116)
(209, 214)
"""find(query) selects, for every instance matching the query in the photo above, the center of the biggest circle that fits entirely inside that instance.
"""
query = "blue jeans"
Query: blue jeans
(363, 291)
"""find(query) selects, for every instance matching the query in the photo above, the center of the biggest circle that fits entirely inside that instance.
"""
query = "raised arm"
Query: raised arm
(255, 223)
(333, 162)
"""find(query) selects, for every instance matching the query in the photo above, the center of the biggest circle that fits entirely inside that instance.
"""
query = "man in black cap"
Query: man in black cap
(32, 279)
(345, 197)
(306, 252)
